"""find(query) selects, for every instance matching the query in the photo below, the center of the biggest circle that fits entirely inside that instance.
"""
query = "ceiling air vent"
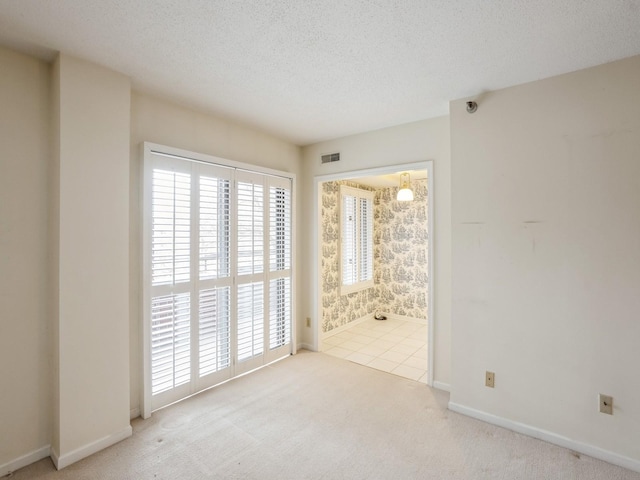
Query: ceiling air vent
(330, 157)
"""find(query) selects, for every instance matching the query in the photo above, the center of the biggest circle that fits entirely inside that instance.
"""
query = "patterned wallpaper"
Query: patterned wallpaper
(400, 257)
(400, 267)
(336, 309)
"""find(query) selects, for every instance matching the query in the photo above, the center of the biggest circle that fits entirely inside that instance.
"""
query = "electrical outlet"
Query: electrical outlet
(606, 404)
(308, 322)
(489, 379)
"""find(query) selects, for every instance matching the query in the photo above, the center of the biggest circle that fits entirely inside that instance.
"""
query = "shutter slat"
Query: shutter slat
(250, 320)
(171, 227)
(215, 328)
(280, 312)
(250, 218)
(170, 341)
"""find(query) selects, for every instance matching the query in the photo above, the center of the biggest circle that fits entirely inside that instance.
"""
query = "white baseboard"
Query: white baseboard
(305, 346)
(24, 460)
(61, 461)
(404, 318)
(441, 386)
(346, 326)
(586, 449)
(134, 413)
(369, 316)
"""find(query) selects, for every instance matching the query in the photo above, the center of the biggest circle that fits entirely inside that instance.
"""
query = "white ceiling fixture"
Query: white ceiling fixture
(310, 71)
(405, 194)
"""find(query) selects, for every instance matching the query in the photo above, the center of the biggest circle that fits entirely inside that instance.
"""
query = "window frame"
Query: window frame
(359, 194)
(150, 153)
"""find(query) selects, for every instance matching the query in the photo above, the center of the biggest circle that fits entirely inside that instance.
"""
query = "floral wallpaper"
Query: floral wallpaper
(400, 257)
(400, 267)
(338, 309)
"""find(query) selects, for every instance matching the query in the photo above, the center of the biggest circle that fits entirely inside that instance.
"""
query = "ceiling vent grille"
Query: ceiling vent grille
(330, 157)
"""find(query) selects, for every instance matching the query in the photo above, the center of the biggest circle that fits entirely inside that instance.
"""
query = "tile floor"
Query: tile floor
(394, 346)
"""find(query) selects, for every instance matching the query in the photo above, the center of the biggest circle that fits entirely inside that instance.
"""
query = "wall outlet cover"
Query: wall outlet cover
(490, 379)
(606, 404)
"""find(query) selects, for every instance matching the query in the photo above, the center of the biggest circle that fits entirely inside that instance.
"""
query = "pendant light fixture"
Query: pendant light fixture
(405, 194)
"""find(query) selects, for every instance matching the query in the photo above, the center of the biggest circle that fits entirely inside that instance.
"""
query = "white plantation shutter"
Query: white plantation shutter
(218, 267)
(170, 342)
(250, 227)
(366, 240)
(215, 330)
(356, 239)
(214, 265)
(279, 312)
(250, 307)
(349, 240)
(250, 320)
(215, 223)
(280, 305)
(279, 228)
(170, 260)
(171, 227)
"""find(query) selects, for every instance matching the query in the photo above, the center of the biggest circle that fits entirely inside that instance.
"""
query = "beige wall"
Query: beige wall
(414, 142)
(92, 364)
(159, 121)
(546, 259)
(546, 254)
(71, 135)
(25, 350)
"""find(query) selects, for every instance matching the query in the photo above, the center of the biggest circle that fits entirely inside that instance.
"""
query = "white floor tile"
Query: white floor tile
(333, 340)
(403, 349)
(421, 353)
(345, 334)
(382, 364)
(360, 358)
(416, 362)
(408, 372)
(394, 356)
(338, 352)
(384, 327)
(383, 343)
(395, 346)
(372, 350)
(352, 345)
(392, 337)
(363, 339)
(412, 342)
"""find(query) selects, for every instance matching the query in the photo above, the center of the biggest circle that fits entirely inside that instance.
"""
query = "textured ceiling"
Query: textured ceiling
(312, 70)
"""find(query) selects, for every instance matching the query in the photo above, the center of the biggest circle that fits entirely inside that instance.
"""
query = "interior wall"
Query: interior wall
(93, 259)
(401, 261)
(25, 349)
(414, 142)
(546, 254)
(160, 121)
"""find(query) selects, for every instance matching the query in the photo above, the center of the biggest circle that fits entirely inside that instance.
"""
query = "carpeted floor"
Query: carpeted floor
(313, 416)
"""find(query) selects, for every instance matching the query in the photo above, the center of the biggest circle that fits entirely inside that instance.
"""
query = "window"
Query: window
(356, 239)
(218, 275)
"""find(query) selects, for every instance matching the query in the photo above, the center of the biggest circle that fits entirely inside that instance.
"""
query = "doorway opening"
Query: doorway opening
(401, 265)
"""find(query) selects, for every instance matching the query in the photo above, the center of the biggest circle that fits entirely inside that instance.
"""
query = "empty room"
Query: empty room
(244, 239)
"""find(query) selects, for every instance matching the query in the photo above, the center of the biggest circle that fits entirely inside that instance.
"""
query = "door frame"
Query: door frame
(317, 248)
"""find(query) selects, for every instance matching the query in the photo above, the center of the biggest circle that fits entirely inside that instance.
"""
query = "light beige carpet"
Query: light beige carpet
(313, 416)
